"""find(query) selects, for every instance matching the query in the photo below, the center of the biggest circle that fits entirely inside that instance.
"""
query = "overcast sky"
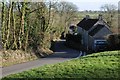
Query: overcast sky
(85, 4)
(93, 4)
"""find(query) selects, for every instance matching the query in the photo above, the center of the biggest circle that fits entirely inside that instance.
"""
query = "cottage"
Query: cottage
(93, 31)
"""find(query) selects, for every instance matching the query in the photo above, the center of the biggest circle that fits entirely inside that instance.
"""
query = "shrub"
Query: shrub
(113, 41)
(75, 38)
(74, 41)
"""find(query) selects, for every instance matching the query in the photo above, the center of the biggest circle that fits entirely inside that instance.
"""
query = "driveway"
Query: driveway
(61, 54)
(61, 51)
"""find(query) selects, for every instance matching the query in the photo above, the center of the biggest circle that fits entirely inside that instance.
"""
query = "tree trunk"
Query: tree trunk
(49, 16)
(27, 32)
(22, 18)
(14, 28)
(7, 42)
(3, 25)
(22, 22)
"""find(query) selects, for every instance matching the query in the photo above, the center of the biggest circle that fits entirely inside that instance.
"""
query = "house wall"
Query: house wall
(86, 39)
(90, 38)
(90, 42)
(79, 30)
(102, 33)
(100, 36)
(84, 36)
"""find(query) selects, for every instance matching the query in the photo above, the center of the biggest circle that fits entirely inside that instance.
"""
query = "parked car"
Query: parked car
(100, 45)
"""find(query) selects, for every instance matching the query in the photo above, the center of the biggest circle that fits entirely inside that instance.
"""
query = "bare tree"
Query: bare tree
(110, 11)
(108, 7)
(67, 12)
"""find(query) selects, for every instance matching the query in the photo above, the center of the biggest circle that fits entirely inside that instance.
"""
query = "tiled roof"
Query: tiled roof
(95, 30)
(87, 23)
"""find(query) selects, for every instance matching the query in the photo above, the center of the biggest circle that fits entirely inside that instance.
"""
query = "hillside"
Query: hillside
(97, 65)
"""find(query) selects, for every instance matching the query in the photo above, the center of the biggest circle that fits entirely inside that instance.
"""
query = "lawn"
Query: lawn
(94, 66)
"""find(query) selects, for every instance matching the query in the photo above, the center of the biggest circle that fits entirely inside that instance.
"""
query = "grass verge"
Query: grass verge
(95, 66)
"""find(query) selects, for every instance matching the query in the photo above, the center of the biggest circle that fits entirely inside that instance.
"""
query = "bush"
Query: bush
(75, 38)
(113, 41)
(74, 41)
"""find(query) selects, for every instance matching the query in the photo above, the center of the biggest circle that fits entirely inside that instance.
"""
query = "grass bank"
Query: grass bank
(97, 65)
(11, 57)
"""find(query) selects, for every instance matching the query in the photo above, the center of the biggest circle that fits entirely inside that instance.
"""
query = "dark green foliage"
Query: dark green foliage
(114, 41)
(74, 41)
(76, 38)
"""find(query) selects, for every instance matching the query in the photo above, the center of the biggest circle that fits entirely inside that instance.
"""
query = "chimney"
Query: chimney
(87, 17)
(100, 17)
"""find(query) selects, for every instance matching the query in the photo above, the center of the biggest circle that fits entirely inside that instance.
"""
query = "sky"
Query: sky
(92, 4)
(85, 4)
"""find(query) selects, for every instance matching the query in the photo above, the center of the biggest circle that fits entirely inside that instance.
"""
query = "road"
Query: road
(61, 54)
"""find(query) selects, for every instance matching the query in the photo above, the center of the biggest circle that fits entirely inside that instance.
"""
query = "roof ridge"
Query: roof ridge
(96, 29)
(87, 23)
